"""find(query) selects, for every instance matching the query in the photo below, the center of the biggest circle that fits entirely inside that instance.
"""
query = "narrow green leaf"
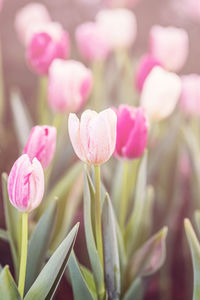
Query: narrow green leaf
(8, 288)
(91, 246)
(47, 281)
(80, 288)
(4, 235)
(89, 278)
(12, 217)
(111, 255)
(195, 253)
(197, 220)
(136, 291)
(39, 244)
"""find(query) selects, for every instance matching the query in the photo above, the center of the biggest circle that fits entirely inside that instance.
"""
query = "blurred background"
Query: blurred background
(71, 13)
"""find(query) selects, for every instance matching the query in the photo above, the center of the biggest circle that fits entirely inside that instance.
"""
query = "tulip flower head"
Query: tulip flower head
(41, 144)
(93, 137)
(29, 16)
(170, 46)
(92, 42)
(190, 95)
(46, 43)
(160, 93)
(26, 184)
(132, 132)
(69, 86)
(119, 27)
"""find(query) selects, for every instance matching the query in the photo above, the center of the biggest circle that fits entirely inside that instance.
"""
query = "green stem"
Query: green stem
(1, 89)
(42, 110)
(124, 197)
(23, 259)
(98, 229)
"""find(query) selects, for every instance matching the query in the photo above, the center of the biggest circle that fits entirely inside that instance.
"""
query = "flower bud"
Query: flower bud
(190, 95)
(26, 184)
(45, 45)
(119, 27)
(160, 93)
(92, 42)
(41, 144)
(28, 16)
(94, 136)
(170, 46)
(132, 132)
(69, 85)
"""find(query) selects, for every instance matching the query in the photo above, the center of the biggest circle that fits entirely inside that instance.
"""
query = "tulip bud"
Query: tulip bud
(28, 16)
(69, 85)
(119, 27)
(190, 96)
(132, 132)
(26, 184)
(170, 46)
(160, 93)
(45, 45)
(41, 144)
(147, 63)
(94, 136)
(92, 42)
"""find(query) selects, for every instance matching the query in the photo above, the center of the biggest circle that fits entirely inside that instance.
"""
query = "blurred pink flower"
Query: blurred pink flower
(192, 8)
(94, 136)
(160, 93)
(190, 96)
(69, 86)
(132, 132)
(41, 144)
(28, 16)
(47, 45)
(120, 3)
(146, 64)
(1, 4)
(26, 184)
(91, 42)
(170, 45)
(119, 27)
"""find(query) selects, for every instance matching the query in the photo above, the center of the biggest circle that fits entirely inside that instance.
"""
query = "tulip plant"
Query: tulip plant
(138, 148)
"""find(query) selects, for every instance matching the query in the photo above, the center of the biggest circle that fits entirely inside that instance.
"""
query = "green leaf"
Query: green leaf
(195, 253)
(47, 281)
(134, 231)
(80, 288)
(12, 217)
(89, 278)
(4, 235)
(150, 257)
(8, 288)
(197, 219)
(39, 244)
(90, 241)
(136, 290)
(111, 255)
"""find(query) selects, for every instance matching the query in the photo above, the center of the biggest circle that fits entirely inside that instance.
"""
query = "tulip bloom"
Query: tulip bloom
(94, 136)
(170, 46)
(69, 85)
(45, 45)
(132, 132)
(26, 184)
(119, 27)
(41, 144)
(92, 42)
(27, 17)
(160, 93)
(190, 96)
(147, 63)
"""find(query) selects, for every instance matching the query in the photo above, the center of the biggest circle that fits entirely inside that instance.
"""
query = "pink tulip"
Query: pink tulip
(28, 16)
(91, 42)
(69, 86)
(132, 132)
(170, 46)
(190, 96)
(192, 8)
(160, 93)
(146, 64)
(41, 144)
(26, 184)
(94, 136)
(47, 45)
(119, 27)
